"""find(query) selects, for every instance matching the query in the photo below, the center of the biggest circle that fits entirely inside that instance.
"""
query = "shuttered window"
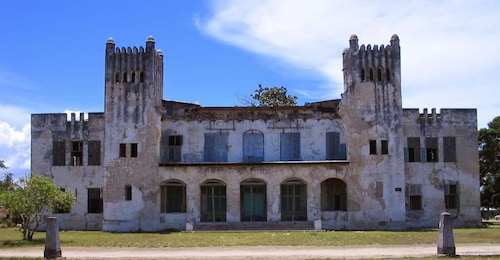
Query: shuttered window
(290, 146)
(253, 147)
(215, 149)
(58, 153)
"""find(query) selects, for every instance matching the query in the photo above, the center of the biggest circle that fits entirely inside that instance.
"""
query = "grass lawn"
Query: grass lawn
(11, 237)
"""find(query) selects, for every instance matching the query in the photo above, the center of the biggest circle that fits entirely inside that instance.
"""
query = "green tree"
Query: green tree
(2, 165)
(32, 198)
(489, 163)
(272, 97)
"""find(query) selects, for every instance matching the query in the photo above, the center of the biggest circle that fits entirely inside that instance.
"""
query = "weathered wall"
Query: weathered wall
(458, 123)
(46, 128)
(133, 100)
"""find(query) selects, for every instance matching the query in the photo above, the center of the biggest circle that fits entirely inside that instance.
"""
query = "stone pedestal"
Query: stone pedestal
(52, 243)
(317, 224)
(446, 242)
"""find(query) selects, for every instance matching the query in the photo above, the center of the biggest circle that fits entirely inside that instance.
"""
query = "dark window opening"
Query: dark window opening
(385, 146)
(373, 146)
(213, 202)
(94, 201)
(77, 153)
(431, 149)
(132, 74)
(413, 149)
(141, 76)
(123, 150)
(333, 195)
(133, 150)
(173, 197)
(94, 153)
(128, 192)
(371, 74)
(117, 77)
(58, 153)
(388, 74)
(363, 76)
(449, 149)
(415, 196)
(451, 196)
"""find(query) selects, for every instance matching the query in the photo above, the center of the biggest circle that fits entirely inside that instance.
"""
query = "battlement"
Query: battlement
(74, 128)
(379, 64)
(445, 116)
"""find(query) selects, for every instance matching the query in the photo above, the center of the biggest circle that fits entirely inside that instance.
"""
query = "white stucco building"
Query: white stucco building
(359, 162)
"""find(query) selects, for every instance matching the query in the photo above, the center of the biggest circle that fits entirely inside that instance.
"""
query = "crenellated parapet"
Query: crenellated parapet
(73, 128)
(444, 118)
(378, 64)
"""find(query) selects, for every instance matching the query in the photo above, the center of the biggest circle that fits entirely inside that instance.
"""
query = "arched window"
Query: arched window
(141, 76)
(173, 196)
(293, 200)
(253, 200)
(132, 74)
(379, 74)
(363, 74)
(124, 78)
(213, 201)
(371, 74)
(333, 195)
(117, 77)
(253, 146)
(388, 74)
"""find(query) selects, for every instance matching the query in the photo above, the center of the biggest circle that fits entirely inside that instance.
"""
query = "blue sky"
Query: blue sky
(216, 52)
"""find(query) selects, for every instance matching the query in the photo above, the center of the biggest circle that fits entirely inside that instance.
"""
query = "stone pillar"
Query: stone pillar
(446, 242)
(52, 243)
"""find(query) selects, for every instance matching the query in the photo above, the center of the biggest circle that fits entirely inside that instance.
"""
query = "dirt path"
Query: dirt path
(257, 252)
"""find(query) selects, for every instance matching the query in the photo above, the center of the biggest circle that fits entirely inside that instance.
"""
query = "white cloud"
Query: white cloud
(15, 148)
(448, 47)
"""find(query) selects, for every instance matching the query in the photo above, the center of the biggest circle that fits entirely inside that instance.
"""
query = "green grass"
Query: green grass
(10, 237)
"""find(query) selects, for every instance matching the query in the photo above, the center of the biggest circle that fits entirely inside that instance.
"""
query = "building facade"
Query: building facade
(361, 162)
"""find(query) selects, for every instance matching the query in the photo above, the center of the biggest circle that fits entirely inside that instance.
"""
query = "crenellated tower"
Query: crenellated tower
(132, 127)
(371, 110)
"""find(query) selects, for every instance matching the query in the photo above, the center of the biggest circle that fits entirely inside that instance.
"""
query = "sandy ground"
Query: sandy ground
(257, 252)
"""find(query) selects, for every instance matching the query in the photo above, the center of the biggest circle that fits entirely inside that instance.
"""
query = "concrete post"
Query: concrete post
(446, 242)
(52, 243)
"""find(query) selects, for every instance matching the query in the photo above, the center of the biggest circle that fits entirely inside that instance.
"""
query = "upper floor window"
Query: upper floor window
(431, 149)
(290, 146)
(77, 153)
(373, 146)
(384, 145)
(412, 151)
(94, 152)
(215, 149)
(58, 153)
(334, 149)
(253, 146)
(449, 149)
(174, 150)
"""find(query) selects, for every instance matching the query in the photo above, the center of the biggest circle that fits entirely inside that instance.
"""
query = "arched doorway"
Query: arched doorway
(293, 200)
(213, 201)
(253, 200)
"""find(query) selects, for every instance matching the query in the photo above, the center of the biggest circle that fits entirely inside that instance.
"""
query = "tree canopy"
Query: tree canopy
(272, 97)
(489, 163)
(32, 197)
